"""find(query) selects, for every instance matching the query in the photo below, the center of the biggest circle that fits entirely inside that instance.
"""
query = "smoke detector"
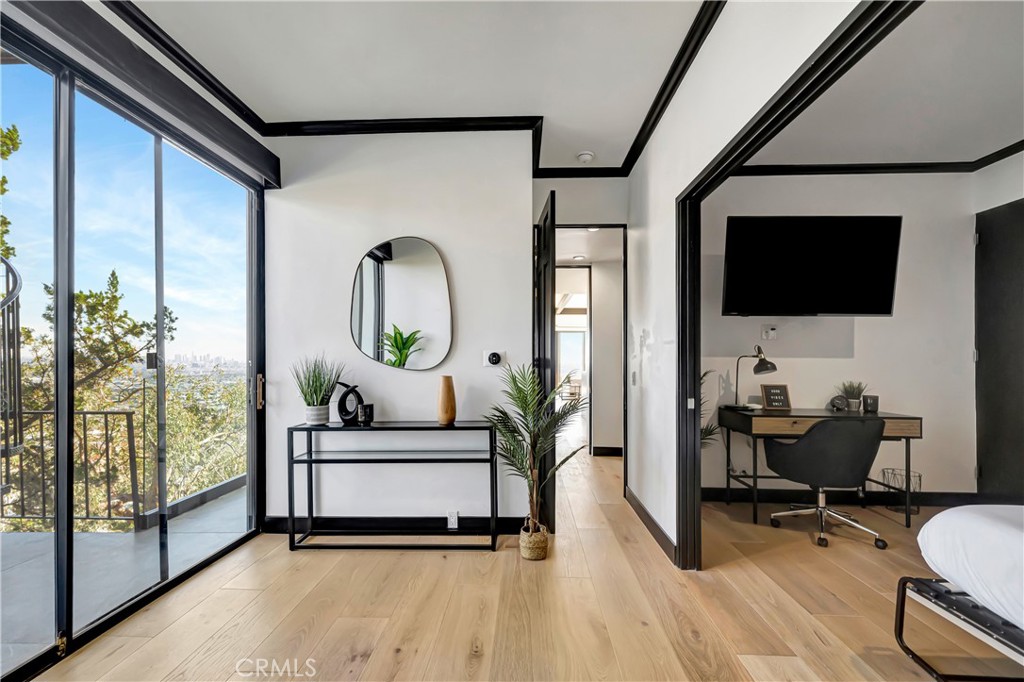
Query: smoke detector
(585, 157)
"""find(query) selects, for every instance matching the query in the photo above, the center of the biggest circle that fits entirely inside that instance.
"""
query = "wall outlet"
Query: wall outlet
(453, 520)
(494, 358)
(769, 332)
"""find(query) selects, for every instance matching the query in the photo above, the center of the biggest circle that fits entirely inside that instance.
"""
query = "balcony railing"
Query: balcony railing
(107, 472)
(11, 437)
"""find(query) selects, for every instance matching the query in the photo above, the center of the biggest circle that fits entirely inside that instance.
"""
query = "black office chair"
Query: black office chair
(833, 453)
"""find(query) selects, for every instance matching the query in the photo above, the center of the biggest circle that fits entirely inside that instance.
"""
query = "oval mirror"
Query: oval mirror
(401, 308)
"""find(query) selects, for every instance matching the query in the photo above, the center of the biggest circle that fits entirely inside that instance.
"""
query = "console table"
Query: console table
(792, 424)
(313, 457)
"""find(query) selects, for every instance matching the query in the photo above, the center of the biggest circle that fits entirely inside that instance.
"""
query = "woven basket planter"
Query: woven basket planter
(533, 546)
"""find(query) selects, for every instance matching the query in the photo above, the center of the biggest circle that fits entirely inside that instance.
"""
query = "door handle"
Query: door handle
(259, 391)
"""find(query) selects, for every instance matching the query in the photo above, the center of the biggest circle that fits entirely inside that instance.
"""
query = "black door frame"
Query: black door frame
(858, 34)
(68, 77)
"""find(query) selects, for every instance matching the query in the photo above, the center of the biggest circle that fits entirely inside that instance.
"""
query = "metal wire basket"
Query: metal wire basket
(897, 479)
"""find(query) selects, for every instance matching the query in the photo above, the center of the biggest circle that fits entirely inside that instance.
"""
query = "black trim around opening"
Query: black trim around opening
(858, 34)
(762, 170)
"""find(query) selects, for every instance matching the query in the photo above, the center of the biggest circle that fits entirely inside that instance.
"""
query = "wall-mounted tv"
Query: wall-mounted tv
(810, 265)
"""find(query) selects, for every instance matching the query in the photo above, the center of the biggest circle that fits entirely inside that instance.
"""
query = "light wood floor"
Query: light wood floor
(607, 604)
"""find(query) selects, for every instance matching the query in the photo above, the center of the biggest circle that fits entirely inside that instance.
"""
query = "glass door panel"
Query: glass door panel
(27, 465)
(117, 486)
(205, 237)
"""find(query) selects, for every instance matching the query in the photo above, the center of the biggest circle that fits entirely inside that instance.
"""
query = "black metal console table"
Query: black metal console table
(313, 456)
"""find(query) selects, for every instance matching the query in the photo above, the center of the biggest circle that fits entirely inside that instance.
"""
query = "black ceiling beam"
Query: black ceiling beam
(130, 13)
(764, 170)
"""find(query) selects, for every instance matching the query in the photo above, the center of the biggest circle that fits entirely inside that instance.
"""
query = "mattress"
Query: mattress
(980, 549)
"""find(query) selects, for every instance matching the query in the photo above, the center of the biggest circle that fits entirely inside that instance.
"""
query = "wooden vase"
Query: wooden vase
(446, 402)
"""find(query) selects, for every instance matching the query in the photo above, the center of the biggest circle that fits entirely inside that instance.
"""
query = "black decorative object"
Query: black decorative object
(349, 415)
(839, 403)
(870, 404)
(364, 414)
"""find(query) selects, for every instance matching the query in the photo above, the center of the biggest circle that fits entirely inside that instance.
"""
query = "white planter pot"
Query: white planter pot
(853, 405)
(318, 414)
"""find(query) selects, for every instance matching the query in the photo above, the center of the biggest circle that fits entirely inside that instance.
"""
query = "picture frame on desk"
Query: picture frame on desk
(775, 397)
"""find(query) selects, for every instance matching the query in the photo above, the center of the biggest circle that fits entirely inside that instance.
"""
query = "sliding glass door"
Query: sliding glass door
(27, 352)
(205, 246)
(145, 468)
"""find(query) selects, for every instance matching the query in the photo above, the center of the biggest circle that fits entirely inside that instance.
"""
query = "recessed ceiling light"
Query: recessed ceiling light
(585, 157)
(593, 229)
(577, 257)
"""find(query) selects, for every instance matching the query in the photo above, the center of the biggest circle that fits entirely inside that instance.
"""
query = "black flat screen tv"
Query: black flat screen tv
(810, 265)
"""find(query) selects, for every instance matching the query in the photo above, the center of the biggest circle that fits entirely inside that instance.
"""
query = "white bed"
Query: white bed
(980, 549)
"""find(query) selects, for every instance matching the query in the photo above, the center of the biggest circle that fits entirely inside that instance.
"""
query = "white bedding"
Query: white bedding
(980, 549)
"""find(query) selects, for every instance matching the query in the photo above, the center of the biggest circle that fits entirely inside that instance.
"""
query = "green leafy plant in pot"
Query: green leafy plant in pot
(528, 429)
(852, 391)
(316, 378)
(400, 346)
(708, 430)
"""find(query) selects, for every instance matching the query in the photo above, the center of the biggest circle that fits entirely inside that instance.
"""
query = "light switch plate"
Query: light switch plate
(453, 520)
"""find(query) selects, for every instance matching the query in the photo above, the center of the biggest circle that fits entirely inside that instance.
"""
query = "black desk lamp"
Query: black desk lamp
(763, 366)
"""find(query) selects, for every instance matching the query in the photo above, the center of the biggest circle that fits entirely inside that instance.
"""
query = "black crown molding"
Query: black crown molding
(762, 170)
(130, 13)
(708, 13)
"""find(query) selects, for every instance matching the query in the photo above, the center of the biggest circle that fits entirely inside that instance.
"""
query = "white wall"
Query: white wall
(752, 51)
(470, 194)
(998, 184)
(919, 361)
(584, 200)
(607, 389)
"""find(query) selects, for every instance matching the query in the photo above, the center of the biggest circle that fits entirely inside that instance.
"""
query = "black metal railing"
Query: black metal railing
(106, 469)
(11, 422)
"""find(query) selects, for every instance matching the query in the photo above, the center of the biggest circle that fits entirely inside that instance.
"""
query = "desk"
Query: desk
(793, 424)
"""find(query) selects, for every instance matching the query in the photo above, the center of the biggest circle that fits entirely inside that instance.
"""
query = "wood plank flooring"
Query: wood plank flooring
(606, 605)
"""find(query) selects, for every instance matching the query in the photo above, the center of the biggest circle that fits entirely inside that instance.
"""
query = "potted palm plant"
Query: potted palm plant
(527, 430)
(852, 391)
(316, 379)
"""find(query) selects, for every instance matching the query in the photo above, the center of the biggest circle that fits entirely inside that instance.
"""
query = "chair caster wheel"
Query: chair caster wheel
(881, 544)
(775, 523)
(822, 542)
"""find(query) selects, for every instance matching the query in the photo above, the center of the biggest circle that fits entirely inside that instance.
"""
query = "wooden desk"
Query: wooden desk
(793, 424)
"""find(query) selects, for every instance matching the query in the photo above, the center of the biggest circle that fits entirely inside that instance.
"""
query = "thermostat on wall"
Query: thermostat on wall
(493, 358)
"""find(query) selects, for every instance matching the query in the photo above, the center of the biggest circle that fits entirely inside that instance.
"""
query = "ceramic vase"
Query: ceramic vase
(446, 402)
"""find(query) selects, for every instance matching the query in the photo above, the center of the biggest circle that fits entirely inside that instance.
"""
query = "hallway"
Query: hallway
(607, 604)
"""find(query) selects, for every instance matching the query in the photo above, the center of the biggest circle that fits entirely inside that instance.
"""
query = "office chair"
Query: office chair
(833, 453)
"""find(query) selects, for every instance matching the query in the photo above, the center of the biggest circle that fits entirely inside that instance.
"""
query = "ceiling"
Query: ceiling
(946, 85)
(595, 247)
(591, 69)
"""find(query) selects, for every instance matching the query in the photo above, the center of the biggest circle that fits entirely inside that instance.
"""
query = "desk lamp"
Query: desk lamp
(763, 366)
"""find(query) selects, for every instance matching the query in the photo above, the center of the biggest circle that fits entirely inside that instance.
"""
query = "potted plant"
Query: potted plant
(527, 430)
(852, 391)
(400, 346)
(316, 379)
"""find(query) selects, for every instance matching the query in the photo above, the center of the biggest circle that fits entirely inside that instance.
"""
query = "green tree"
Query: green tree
(10, 142)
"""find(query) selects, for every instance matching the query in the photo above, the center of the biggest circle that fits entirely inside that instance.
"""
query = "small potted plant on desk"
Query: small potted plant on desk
(527, 430)
(852, 391)
(316, 379)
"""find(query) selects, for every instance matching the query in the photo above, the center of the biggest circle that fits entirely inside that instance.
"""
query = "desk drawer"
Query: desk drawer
(783, 426)
(797, 426)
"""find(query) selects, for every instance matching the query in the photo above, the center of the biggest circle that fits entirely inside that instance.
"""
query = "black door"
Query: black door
(544, 332)
(999, 330)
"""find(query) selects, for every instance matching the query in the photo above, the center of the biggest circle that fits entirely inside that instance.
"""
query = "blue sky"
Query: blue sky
(204, 218)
